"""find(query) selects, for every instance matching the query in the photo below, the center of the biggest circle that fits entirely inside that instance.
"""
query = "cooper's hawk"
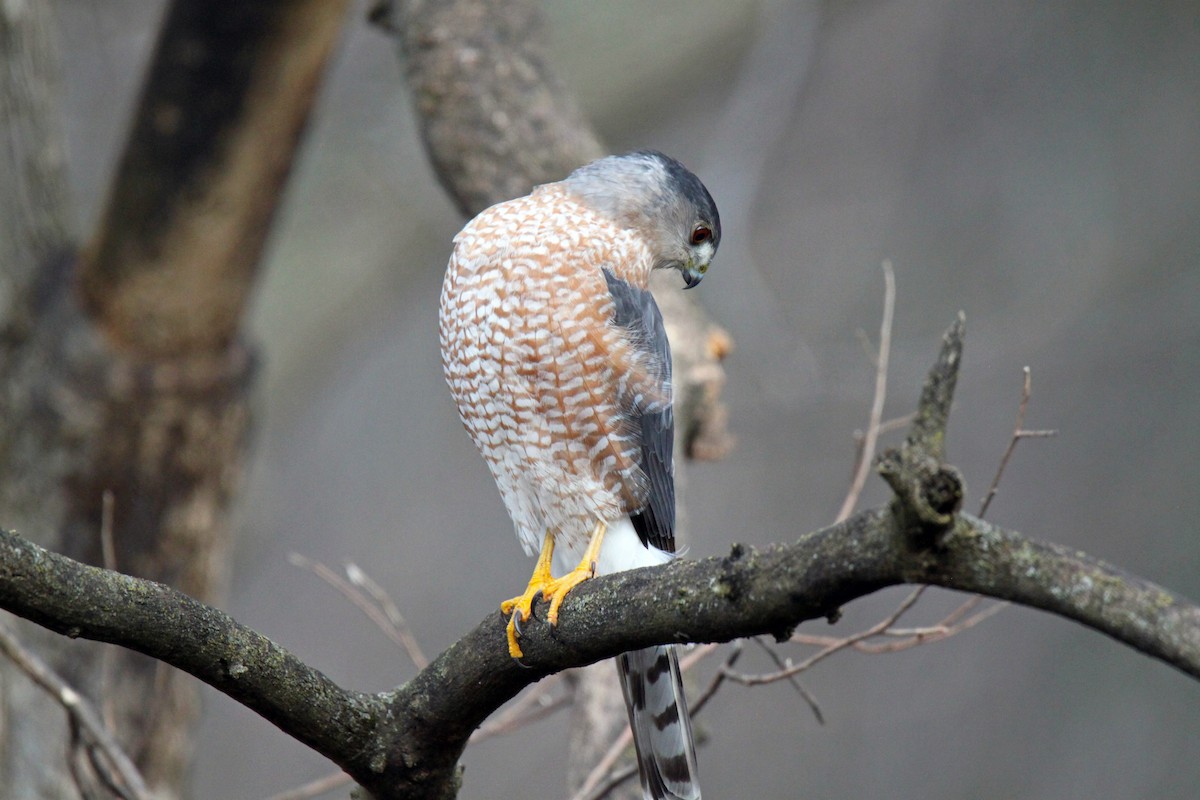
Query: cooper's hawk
(556, 354)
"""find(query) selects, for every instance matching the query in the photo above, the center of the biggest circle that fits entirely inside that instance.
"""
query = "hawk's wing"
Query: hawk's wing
(636, 312)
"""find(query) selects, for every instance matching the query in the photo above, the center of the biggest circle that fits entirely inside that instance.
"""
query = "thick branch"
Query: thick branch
(82, 601)
(495, 119)
(406, 743)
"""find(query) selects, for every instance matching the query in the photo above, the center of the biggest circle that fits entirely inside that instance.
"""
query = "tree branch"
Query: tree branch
(406, 743)
(495, 119)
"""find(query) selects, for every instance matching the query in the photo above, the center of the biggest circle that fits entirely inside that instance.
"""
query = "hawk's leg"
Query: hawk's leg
(549, 587)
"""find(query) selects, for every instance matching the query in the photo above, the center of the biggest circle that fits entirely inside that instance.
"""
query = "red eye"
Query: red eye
(701, 234)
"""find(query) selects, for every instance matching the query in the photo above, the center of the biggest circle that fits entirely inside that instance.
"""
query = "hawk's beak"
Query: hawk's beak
(692, 276)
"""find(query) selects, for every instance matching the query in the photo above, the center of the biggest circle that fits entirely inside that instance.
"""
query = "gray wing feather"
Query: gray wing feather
(650, 678)
(636, 311)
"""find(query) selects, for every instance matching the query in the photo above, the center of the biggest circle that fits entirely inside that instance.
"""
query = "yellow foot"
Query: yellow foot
(521, 608)
(549, 587)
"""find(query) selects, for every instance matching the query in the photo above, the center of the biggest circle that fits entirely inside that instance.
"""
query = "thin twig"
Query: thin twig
(382, 612)
(867, 451)
(834, 647)
(532, 706)
(887, 426)
(360, 578)
(965, 608)
(781, 663)
(77, 761)
(125, 777)
(600, 778)
(912, 637)
(108, 550)
(920, 636)
(611, 781)
(717, 680)
(1018, 434)
(314, 788)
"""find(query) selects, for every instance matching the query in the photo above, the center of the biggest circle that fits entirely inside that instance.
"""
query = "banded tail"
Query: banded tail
(662, 730)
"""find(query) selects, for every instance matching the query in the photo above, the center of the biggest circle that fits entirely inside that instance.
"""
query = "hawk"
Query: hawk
(556, 355)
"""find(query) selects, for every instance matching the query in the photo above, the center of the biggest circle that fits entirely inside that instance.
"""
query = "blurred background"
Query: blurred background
(1034, 164)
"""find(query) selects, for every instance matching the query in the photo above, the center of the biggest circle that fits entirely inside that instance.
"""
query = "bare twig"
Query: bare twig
(1018, 434)
(718, 680)
(377, 738)
(914, 637)
(610, 781)
(887, 426)
(834, 647)
(867, 451)
(376, 604)
(783, 664)
(119, 772)
(358, 577)
(315, 788)
(602, 775)
(108, 550)
(535, 704)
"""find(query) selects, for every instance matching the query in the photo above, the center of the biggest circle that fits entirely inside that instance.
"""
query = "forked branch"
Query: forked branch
(407, 742)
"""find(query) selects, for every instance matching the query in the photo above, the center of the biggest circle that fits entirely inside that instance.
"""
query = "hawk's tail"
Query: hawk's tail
(662, 731)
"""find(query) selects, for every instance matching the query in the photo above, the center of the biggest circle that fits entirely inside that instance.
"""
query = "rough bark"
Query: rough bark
(121, 368)
(406, 743)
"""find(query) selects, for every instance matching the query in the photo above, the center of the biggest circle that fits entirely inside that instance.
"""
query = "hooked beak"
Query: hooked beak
(692, 276)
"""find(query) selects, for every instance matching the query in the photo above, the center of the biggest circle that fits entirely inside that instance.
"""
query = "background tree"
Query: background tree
(1092, 193)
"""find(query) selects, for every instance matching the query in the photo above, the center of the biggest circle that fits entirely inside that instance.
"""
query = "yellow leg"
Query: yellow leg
(521, 607)
(549, 587)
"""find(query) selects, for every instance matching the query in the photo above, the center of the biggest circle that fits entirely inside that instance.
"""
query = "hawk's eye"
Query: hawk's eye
(701, 234)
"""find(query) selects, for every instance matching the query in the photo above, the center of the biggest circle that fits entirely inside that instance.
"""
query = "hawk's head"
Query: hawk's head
(662, 200)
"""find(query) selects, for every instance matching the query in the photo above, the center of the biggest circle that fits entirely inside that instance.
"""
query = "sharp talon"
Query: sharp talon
(522, 664)
(550, 589)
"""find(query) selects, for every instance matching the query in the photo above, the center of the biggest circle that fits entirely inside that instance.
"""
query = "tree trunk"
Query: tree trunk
(122, 369)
